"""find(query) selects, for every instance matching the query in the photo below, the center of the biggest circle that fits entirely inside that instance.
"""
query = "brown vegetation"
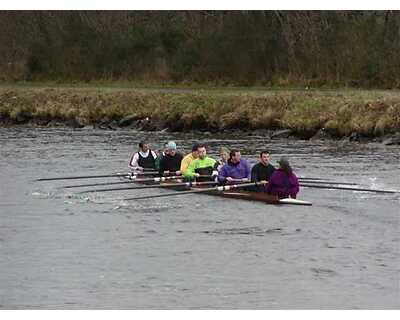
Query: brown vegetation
(305, 113)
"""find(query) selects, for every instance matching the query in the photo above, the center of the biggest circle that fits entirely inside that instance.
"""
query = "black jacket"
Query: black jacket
(168, 163)
(261, 172)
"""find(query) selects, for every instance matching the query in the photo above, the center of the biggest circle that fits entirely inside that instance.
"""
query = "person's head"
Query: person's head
(284, 165)
(234, 156)
(264, 157)
(171, 148)
(224, 154)
(144, 146)
(202, 151)
(165, 148)
(195, 152)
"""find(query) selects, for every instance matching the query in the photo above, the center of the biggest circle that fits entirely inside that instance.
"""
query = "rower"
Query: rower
(189, 158)
(283, 182)
(235, 170)
(224, 156)
(160, 154)
(144, 158)
(171, 161)
(263, 170)
(202, 166)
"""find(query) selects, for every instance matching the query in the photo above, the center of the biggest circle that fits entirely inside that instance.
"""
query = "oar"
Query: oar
(310, 178)
(132, 179)
(329, 182)
(145, 169)
(98, 184)
(179, 193)
(145, 173)
(166, 185)
(318, 186)
(318, 181)
(86, 177)
(131, 174)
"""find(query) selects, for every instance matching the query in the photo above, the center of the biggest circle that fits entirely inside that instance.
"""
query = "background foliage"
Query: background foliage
(273, 48)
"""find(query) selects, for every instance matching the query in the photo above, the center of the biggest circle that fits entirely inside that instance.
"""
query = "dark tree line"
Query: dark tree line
(316, 48)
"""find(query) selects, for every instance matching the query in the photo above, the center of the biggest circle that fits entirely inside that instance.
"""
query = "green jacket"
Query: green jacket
(197, 164)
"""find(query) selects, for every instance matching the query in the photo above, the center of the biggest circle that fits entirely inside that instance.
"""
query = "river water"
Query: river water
(61, 250)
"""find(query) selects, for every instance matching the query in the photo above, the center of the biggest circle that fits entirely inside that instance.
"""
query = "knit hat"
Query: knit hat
(171, 145)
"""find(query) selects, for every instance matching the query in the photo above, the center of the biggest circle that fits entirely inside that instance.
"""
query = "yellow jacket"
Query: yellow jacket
(186, 161)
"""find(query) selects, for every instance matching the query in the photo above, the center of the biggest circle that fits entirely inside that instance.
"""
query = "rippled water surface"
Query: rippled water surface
(61, 250)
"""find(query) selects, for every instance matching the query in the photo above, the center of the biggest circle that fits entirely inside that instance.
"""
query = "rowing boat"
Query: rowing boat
(245, 195)
(258, 197)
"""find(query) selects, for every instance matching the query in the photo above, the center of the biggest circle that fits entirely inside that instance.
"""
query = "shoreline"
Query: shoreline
(335, 115)
(389, 139)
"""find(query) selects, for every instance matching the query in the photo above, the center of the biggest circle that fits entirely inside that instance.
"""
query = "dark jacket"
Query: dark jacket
(149, 162)
(169, 163)
(282, 185)
(261, 172)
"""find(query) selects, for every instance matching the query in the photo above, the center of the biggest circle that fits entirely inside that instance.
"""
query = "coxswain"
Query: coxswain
(144, 158)
(283, 182)
(202, 166)
(170, 163)
(235, 170)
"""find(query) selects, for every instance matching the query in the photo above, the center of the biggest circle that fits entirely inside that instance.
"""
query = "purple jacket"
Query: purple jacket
(237, 171)
(283, 186)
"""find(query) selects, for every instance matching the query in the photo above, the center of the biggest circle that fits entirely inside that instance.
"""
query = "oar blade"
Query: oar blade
(295, 202)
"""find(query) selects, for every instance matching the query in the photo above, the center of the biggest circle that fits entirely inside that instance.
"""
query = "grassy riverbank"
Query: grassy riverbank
(305, 112)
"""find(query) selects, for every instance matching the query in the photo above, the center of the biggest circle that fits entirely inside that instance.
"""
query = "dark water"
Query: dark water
(60, 250)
